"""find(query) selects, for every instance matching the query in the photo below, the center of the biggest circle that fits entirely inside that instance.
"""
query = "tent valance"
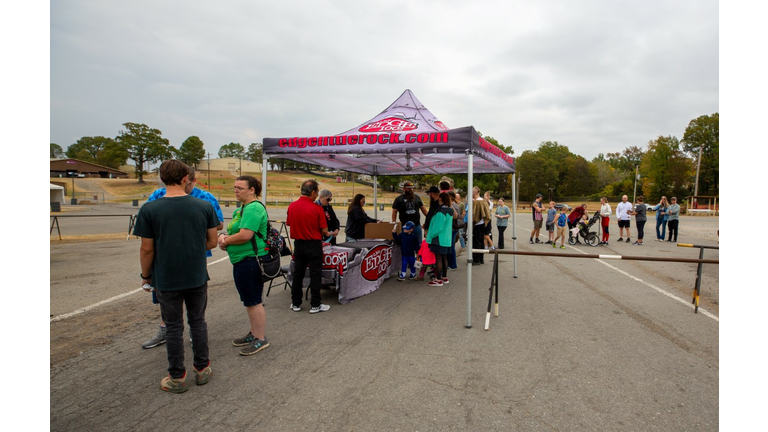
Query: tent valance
(406, 138)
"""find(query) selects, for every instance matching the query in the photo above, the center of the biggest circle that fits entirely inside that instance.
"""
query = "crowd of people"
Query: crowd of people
(179, 226)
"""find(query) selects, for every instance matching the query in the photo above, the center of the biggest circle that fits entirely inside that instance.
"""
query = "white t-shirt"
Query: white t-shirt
(621, 210)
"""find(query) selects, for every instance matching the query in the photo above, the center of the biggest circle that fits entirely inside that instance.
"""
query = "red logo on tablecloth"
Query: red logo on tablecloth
(390, 124)
(376, 262)
(441, 125)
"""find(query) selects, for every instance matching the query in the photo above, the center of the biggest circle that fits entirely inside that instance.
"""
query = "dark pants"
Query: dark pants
(307, 253)
(478, 231)
(640, 228)
(452, 255)
(172, 309)
(673, 229)
(660, 233)
(501, 236)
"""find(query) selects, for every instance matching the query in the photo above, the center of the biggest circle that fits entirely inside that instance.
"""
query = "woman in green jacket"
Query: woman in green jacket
(439, 238)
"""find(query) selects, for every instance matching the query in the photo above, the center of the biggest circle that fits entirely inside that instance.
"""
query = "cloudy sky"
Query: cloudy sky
(597, 76)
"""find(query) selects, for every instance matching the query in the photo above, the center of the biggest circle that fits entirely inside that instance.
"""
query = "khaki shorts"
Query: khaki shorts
(561, 231)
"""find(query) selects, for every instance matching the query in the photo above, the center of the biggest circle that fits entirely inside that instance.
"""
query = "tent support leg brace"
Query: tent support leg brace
(493, 289)
(470, 198)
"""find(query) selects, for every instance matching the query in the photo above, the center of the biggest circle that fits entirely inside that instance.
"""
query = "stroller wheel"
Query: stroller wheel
(592, 240)
(572, 240)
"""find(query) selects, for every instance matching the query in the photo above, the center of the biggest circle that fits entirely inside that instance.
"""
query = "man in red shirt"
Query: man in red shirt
(308, 227)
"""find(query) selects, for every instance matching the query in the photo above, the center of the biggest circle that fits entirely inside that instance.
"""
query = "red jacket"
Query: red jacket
(576, 214)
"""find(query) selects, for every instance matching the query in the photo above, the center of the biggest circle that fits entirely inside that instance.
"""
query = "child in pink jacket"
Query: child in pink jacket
(427, 258)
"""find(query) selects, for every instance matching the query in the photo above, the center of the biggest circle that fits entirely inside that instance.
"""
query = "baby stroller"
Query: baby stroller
(589, 237)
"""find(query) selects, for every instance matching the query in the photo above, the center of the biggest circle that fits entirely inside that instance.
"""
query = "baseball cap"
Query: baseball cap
(434, 189)
(409, 225)
(408, 184)
(539, 196)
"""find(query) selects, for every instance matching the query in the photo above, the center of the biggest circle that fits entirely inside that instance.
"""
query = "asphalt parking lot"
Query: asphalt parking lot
(579, 344)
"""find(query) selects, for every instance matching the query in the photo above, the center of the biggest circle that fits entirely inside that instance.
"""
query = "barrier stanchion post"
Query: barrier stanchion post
(697, 288)
(55, 222)
(494, 284)
(131, 222)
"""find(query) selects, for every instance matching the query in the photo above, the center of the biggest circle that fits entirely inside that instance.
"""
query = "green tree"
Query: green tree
(144, 145)
(254, 153)
(704, 133)
(665, 169)
(100, 150)
(232, 149)
(56, 151)
(192, 151)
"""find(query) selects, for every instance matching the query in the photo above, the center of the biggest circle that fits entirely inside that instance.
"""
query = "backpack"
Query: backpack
(275, 242)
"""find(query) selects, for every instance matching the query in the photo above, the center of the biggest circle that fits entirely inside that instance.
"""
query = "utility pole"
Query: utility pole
(696, 185)
(634, 196)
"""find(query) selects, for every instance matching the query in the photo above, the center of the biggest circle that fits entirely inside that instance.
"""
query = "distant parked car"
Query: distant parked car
(561, 205)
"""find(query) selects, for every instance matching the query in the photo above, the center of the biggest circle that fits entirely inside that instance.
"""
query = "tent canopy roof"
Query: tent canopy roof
(406, 138)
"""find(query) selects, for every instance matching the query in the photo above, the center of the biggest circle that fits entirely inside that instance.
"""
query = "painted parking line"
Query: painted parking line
(110, 300)
(650, 285)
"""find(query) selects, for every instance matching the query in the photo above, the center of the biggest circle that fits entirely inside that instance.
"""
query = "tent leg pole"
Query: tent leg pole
(470, 229)
(375, 198)
(514, 225)
(264, 159)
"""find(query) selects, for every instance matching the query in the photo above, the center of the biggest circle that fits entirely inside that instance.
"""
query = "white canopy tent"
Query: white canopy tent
(404, 139)
(57, 193)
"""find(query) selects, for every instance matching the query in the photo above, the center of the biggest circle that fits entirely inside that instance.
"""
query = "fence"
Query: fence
(494, 288)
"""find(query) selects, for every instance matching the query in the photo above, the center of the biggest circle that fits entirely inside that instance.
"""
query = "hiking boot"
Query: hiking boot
(321, 308)
(255, 346)
(172, 385)
(295, 308)
(156, 340)
(203, 376)
(245, 340)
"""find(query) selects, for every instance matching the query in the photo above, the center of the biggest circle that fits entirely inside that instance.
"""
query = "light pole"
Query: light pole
(209, 171)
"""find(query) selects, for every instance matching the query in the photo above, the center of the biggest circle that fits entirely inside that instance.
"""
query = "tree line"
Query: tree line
(667, 166)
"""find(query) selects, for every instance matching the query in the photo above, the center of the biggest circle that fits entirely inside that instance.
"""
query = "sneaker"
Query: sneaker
(436, 283)
(554, 245)
(321, 308)
(245, 340)
(538, 241)
(493, 247)
(562, 246)
(637, 243)
(400, 277)
(445, 280)
(628, 239)
(530, 241)
(412, 276)
(255, 346)
(158, 339)
(453, 268)
(621, 239)
(203, 376)
(295, 308)
(174, 385)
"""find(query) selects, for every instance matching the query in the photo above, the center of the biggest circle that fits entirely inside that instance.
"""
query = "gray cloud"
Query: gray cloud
(597, 76)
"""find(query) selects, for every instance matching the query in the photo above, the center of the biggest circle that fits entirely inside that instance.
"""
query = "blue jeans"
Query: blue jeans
(408, 261)
(661, 234)
(461, 239)
(452, 255)
(172, 310)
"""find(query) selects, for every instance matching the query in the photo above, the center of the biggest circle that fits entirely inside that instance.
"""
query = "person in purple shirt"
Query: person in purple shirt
(159, 338)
